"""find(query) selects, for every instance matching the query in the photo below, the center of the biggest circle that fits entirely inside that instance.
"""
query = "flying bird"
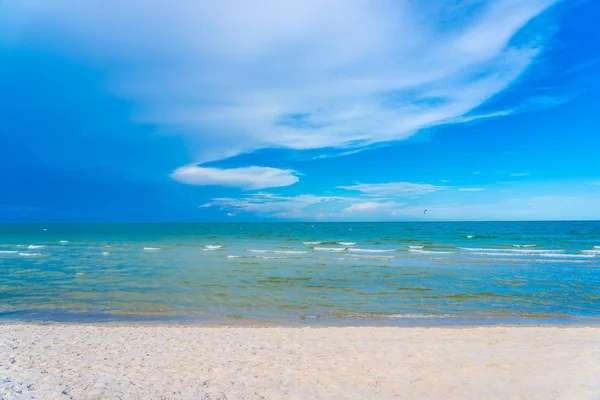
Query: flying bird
(425, 212)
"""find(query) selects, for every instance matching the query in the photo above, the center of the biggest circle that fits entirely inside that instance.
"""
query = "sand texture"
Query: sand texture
(171, 362)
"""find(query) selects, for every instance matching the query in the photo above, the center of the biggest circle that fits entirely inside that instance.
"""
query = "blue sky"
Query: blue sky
(323, 111)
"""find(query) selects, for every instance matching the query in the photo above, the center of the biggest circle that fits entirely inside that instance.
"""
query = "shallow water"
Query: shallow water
(302, 272)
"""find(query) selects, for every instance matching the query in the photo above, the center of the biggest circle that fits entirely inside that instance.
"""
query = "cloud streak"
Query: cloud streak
(394, 189)
(248, 178)
(236, 76)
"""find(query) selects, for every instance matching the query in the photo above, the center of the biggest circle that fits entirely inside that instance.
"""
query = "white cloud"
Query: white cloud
(234, 76)
(371, 206)
(305, 206)
(311, 207)
(249, 178)
(394, 189)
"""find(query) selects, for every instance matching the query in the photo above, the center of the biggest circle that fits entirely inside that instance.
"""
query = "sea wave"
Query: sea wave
(347, 243)
(537, 254)
(370, 257)
(282, 257)
(569, 255)
(63, 241)
(594, 252)
(330, 248)
(418, 316)
(151, 248)
(278, 251)
(357, 250)
(415, 247)
(105, 253)
(378, 315)
(208, 247)
(516, 251)
(481, 237)
(33, 246)
(311, 243)
(28, 254)
(524, 245)
(8, 251)
(418, 251)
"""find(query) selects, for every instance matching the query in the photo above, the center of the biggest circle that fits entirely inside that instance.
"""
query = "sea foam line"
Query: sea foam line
(330, 248)
(516, 251)
(357, 250)
(278, 251)
(418, 251)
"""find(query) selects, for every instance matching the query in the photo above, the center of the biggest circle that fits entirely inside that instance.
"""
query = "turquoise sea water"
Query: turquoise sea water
(372, 273)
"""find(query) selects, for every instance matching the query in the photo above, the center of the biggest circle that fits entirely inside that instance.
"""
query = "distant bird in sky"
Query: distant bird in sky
(425, 212)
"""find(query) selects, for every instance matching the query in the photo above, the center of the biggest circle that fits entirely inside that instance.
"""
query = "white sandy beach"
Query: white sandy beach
(172, 362)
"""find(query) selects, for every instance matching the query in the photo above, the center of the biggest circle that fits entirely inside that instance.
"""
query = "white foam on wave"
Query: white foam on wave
(524, 245)
(311, 243)
(28, 254)
(547, 255)
(21, 245)
(151, 248)
(231, 256)
(370, 257)
(597, 247)
(415, 247)
(210, 247)
(33, 246)
(417, 316)
(593, 252)
(278, 251)
(569, 255)
(516, 251)
(470, 236)
(330, 248)
(8, 251)
(357, 250)
(347, 243)
(63, 241)
(418, 251)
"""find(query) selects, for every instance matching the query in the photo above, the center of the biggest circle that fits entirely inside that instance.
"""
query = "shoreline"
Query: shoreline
(62, 361)
(407, 321)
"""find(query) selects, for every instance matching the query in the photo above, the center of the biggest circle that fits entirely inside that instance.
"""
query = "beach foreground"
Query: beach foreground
(174, 362)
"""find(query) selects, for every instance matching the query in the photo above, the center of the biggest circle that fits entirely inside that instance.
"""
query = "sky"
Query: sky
(334, 110)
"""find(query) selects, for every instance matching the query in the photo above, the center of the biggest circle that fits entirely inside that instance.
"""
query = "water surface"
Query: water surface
(301, 272)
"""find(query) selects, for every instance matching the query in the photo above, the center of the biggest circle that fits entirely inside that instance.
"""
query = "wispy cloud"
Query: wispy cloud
(394, 189)
(331, 208)
(471, 189)
(236, 76)
(249, 178)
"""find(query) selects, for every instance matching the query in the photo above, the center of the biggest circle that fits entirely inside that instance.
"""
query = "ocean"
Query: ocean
(302, 273)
